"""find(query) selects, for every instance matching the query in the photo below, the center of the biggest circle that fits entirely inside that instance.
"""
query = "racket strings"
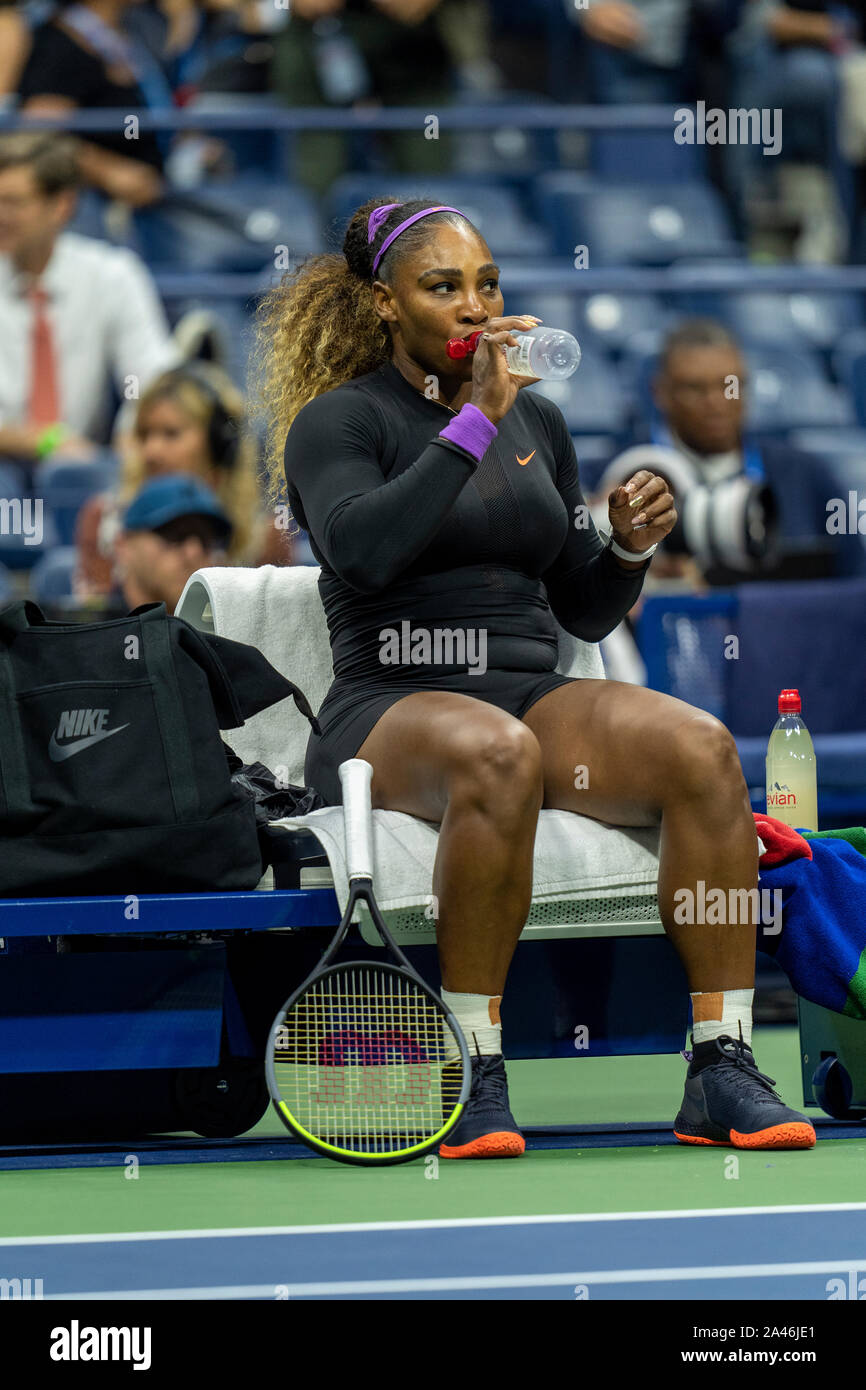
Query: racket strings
(361, 1062)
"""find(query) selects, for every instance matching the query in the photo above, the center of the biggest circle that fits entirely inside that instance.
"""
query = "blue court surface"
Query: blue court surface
(756, 1253)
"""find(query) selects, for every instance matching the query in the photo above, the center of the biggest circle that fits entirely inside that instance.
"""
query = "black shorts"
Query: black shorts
(350, 711)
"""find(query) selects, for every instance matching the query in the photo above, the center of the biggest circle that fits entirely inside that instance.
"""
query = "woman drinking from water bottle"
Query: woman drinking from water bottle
(440, 496)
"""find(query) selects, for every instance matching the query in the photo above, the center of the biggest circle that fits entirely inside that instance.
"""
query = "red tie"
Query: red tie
(44, 395)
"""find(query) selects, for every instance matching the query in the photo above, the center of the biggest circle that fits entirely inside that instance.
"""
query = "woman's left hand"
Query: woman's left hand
(643, 502)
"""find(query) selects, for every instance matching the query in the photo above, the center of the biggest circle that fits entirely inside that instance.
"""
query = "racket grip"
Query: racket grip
(356, 774)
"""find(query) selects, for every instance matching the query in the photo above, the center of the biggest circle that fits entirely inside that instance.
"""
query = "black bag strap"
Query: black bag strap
(20, 616)
(13, 763)
(170, 711)
(242, 680)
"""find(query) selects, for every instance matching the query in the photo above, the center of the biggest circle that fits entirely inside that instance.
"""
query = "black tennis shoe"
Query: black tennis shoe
(728, 1101)
(487, 1128)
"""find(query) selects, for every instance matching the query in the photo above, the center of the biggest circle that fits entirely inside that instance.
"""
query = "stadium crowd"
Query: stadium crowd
(132, 405)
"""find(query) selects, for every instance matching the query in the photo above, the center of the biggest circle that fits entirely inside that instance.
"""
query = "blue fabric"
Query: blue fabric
(809, 636)
(824, 923)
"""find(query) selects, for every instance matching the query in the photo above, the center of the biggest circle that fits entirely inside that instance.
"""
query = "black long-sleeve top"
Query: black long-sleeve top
(408, 526)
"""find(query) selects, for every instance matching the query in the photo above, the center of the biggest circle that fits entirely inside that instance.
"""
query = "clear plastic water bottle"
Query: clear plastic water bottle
(548, 353)
(792, 784)
(343, 75)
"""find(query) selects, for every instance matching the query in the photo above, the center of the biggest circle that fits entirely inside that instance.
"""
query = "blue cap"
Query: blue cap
(165, 499)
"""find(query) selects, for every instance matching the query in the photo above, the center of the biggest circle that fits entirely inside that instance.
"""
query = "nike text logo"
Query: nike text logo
(59, 752)
(526, 460)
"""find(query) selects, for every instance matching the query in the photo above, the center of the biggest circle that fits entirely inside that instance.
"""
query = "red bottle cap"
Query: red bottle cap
(462, 347)
(789, 702)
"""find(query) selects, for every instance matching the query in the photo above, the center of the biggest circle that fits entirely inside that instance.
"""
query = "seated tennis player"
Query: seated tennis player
(443, 504)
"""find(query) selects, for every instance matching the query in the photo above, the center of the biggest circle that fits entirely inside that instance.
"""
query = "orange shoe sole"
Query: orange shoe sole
(505, 1144)
(790, 1136)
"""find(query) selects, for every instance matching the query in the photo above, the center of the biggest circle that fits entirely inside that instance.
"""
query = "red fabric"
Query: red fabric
(782, 842)
(44, 390)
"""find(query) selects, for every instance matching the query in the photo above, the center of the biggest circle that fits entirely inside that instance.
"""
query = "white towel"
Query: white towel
(278, 610)
(588, 878)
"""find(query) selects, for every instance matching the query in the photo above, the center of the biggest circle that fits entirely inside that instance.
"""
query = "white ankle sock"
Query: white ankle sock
(733, 1008)
(478, 1016)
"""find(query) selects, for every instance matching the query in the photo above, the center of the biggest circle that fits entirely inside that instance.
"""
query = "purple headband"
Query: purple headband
(379, 215)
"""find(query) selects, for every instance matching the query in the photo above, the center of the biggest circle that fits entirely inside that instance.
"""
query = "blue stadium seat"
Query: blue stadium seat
(509, 153)
(644, 156)
(235, 225)
(52, 577)
(682, 641)
(89, 216)
(13, 479)
(27, 532)
(832, 443)
(592, 401)
(555, 309)
(789, 390)
(66, 485)
(633, 224)
(849, 365)
(495, 210)
(615, 319)
(601, 322)
(811, 321)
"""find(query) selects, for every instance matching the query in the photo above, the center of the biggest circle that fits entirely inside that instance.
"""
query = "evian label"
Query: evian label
(780, 794)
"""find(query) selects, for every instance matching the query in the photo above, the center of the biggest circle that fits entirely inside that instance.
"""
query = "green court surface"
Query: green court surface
(175, 1196)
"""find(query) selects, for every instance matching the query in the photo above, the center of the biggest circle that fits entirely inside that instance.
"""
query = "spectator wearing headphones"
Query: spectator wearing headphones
(191, 421)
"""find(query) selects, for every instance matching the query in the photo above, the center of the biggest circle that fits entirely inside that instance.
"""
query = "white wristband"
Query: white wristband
(631, 554)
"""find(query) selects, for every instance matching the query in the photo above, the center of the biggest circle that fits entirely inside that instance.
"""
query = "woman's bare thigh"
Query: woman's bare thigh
(423, 740)
(607, 748)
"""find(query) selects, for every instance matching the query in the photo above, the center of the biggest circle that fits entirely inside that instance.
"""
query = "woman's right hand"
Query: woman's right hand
(494, 388)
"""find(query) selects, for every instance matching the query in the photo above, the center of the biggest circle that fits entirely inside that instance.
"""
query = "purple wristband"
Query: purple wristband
(472, 430)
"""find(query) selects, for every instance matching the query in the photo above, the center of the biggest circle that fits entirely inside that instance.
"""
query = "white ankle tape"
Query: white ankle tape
(478, 1017)
(736, 1013)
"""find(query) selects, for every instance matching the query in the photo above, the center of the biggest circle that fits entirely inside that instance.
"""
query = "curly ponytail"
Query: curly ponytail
(319, 328)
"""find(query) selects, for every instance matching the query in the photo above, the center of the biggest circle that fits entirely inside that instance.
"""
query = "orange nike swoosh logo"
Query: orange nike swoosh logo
(526, 460)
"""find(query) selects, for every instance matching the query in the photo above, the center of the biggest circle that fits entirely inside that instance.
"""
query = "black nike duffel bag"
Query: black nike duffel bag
(113, 775)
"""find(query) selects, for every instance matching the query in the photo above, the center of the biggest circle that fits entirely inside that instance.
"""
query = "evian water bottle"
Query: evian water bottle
(792, 787)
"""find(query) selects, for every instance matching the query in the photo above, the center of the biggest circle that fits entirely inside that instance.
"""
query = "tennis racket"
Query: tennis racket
(365, 1064)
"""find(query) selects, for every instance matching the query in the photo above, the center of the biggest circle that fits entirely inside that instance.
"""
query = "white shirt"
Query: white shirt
(108, 325)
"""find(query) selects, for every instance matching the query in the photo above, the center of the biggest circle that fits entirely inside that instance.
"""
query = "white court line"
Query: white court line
(433, 1224)
(482, 1281)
